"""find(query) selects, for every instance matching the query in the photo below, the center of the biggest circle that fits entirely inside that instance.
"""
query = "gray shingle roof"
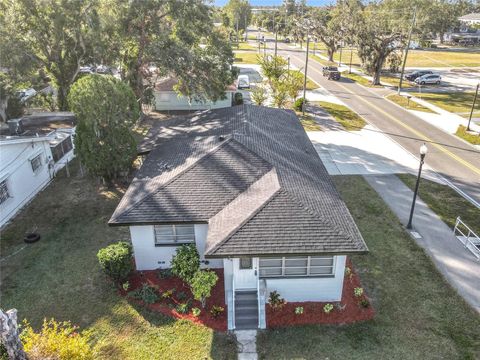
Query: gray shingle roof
(305, 215)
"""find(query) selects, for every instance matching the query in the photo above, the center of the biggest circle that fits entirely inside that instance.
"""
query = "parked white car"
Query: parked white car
(243, 82)
(429, 79)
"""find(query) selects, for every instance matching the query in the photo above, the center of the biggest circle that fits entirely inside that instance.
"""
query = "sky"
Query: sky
(275, 2)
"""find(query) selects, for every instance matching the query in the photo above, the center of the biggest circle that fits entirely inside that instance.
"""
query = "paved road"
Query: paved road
(453, 159)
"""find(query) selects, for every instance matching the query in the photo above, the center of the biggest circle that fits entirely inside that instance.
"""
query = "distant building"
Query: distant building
(32, 150)
(167, 99)
(470, 19)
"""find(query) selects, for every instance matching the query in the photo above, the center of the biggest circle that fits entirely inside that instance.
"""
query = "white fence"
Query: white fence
(467, 237)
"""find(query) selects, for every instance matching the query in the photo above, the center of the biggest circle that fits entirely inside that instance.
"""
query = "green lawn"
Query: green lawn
(471, 137)
(358, 79)
(59, 277)
(405, 103)
(308, 123)
(350, 120)
(424, 58)
(244, 46)
(418, 315)
(246, 57)
(445, 202)
(458, 102)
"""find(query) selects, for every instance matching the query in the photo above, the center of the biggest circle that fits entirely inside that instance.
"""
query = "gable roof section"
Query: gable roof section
(201, 190)
(299, 210)
(279, 223)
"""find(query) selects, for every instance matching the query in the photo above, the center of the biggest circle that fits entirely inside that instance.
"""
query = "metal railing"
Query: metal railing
(467, 237)
(261, 303)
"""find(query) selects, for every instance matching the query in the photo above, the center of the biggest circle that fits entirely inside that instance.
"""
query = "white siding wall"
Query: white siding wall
(151, 257)
(311, 289)
(23, 184)
(169, 100)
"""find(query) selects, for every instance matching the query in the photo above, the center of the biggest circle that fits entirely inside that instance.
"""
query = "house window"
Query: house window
(174, 234)
(245, 263)
(299, 266)
(4, 195)
(36, 163)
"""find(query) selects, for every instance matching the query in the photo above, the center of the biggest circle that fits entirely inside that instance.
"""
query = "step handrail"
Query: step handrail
(473, 247)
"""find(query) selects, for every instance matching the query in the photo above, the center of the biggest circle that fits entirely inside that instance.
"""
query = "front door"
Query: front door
(245, 273)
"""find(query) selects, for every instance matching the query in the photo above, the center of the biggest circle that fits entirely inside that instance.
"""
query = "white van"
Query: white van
(243, 82)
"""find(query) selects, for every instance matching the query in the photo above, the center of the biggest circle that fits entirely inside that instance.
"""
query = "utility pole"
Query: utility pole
(406, 50)
(305, 77)
(276, 35)
(351, 55)
(473, 106)
(246, 28)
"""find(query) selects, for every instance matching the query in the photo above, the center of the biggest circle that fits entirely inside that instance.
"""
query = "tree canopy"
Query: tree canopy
(105, 109)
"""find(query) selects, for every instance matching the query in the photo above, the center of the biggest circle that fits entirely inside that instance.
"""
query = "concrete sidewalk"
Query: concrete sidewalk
(458, 265)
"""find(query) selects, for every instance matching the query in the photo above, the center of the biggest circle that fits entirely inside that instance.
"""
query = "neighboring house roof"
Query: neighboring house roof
(250, 172)
(168, 83)
(470, 17)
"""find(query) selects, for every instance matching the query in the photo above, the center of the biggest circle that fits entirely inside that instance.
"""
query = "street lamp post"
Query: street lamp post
(423, 152)
(305, 77)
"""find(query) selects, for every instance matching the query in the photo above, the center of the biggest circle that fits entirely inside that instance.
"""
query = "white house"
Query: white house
(246, 186)
(166, 98)
(28, 162)
(470, 19)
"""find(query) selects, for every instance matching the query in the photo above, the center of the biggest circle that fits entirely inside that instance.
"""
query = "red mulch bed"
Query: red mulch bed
(313, 311)
(167, 306)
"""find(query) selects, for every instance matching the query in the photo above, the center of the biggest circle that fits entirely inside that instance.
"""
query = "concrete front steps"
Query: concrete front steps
(246, 310)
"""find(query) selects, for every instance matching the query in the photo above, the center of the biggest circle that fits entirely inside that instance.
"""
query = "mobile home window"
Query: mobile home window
(36, 163)
(299, 266)
(4, 195)
(174, 234)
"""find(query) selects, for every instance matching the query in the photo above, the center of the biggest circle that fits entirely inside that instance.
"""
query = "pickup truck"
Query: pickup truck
(331, 72)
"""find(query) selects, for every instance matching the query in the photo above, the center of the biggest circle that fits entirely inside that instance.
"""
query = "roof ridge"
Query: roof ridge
(242, 224)
(188, 168)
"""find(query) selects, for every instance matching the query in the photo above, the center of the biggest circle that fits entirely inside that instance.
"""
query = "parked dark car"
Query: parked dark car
(287, 40)
(331, 72)
(417, 74)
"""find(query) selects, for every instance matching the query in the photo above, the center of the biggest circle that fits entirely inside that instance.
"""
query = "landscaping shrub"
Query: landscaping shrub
(116, 260)
(168, 294)
(238, 99)
(275, 301)
(358, 291)
(56, 340)
(298, 105)
(196, 312)
(327, 309)
(182, 296)
(215, 311)
(126, 286)
(164, 273)
(202, 284)
(182, 308)
(146, 293)
(365, 303)
(186, 262)
(299, 310)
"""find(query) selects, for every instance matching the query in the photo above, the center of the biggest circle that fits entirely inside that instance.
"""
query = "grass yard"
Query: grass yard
(359, 79)
(442, 58)
(418, 315)
(59, 277)
(311, 85)
(458, 102)
(445, 202)
(350, 120)
(246, 57)
(471, 137)
(405, 103)
(243, 46)
(308, 122)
